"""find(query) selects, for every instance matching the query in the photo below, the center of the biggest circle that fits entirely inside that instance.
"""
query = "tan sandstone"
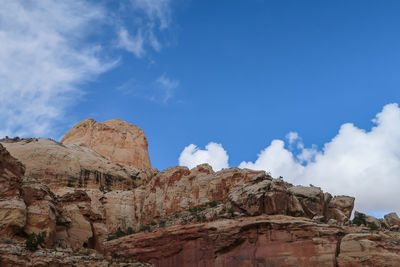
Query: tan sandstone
(117, 140)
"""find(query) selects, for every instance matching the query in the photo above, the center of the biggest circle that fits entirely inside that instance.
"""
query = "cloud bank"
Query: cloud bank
(356, 162)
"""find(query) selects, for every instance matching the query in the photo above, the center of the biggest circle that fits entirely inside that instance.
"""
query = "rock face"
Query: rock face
(260, 241)
(252, 241)
(60, 166)
(116, 140)
(12, 205)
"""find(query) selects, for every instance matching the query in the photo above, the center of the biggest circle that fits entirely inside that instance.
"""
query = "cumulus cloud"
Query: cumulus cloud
(276, 160)
(214, 154)
(356, 162)
(42, 61)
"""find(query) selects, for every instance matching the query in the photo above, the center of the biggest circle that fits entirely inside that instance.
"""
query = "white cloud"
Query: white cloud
(156, 10)
(167, 85)
(133, 44)
(275, 159)
(292, 137)
(214, 154)
(356, 162)
(42, 61)
(157, 18)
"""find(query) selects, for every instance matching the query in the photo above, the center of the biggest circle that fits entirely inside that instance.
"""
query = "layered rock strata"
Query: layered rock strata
(273, 240)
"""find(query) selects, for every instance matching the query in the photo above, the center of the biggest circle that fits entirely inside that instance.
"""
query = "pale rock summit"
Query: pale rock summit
(116, 140)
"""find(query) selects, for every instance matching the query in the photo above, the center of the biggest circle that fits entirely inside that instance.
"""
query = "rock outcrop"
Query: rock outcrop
(116, 140)
(12, 205)
(61, 166)
(252, 241)
(101, 207)
(274, 240)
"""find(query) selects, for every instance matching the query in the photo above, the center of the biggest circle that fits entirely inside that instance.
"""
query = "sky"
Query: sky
(307, 90)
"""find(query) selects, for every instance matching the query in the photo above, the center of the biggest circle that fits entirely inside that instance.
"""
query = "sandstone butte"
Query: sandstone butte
(101, 208)
(116, 140)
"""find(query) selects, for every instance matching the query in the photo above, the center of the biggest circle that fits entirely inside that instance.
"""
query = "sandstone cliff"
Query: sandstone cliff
(98, 212)
(116, 140)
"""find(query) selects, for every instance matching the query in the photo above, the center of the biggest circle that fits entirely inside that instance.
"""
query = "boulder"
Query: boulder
(392, 219)
(340, 208)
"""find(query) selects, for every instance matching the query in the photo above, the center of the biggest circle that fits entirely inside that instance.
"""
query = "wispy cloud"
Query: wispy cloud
(133, 44)
(155, 18)
(157, 11)
(356, 162)
(167, 86)
(43, 60)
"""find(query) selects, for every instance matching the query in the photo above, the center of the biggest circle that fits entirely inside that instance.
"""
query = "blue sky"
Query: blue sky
(251, 71)
(240, 74)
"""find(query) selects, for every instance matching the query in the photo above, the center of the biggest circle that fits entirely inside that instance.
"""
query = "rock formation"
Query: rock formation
(116, 140)
(263, 240)
(98, 211)
(12, 205)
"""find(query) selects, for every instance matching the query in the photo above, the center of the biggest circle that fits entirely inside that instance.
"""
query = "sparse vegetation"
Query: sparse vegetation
(34, 240)
(359, 219)
(373, 227)
(212, 204)
(71, 181)
(196, 210)
(161, 223)
(130, 231)
(144, 228)
(120, 233)
(231, 213)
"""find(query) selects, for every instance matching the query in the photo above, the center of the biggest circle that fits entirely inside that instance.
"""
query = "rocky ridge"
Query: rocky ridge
(90, 205)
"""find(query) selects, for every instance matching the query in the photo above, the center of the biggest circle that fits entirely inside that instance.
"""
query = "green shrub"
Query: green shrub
(144, 228)
(162, 223)
(359, 219)
(130, 231)
(373, 226)
(120, 233)
(34, 240)
(213, 204)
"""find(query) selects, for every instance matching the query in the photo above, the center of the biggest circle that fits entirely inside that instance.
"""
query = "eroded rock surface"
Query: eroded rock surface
(12, 205)
(60, 166)
(117, 140)
(260, 241)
